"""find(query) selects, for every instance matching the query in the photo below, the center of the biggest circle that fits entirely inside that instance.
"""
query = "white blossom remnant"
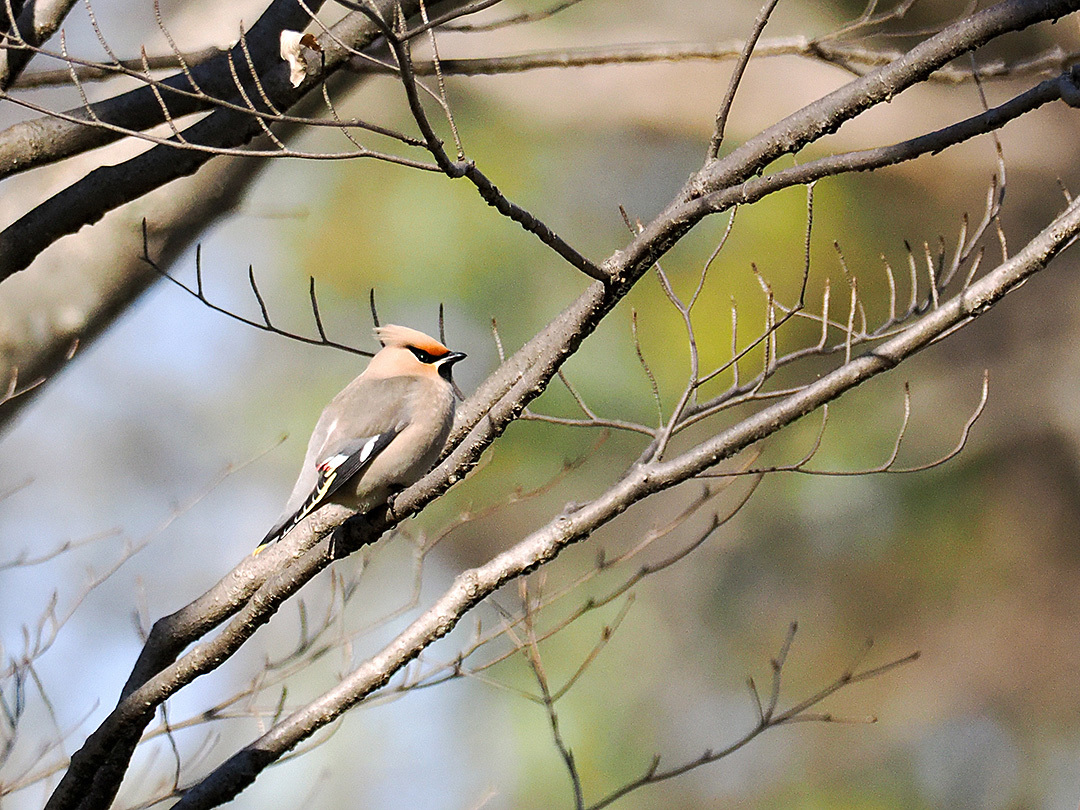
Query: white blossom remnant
(292, 51)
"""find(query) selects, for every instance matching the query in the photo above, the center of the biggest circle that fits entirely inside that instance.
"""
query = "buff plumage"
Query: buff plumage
(381, 433)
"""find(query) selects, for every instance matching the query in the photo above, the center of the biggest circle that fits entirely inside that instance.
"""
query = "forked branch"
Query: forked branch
(639, 482)
(265, 325)
(769, 716)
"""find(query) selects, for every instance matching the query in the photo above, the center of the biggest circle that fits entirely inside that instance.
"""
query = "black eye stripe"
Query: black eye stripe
(422, 356)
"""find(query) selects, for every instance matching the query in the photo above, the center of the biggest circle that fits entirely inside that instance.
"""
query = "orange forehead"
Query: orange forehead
(392, 335)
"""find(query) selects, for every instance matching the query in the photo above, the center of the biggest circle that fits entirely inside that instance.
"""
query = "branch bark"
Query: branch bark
(472, 586)
(253, 591)
(37, 21)
(46, 140)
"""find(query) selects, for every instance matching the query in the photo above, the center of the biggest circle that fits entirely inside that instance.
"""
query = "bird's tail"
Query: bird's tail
(288, 524)
(333, 473)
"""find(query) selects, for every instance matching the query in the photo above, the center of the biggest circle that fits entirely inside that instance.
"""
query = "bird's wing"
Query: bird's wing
(365, 410)
(351, 459)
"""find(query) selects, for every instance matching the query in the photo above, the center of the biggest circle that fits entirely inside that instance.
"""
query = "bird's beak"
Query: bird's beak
(450, 359)
(446, 368)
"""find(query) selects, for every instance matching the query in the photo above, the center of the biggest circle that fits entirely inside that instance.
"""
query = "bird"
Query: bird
(381, 433)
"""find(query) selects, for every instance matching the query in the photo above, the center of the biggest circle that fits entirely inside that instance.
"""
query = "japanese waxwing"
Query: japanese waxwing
(383, 432)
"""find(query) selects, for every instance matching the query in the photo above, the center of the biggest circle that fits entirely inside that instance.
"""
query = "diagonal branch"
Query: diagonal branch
(454, 169)
(829, 113)
(1063, 87)
(37, 21)
(737, 75)
(257, 587)
(29, 144)
(543, 545)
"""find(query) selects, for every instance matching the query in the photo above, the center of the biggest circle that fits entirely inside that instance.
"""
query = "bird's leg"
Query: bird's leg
(395, 490)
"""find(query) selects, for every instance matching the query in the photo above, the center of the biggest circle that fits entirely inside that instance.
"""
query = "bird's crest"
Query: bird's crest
(392, 335)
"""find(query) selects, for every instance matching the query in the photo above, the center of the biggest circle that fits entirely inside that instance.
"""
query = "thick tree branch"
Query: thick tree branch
(109, 187)
(48, 139)
(470, 587)
(103, 758)
(255, 591)
(829, 113)
(37, 21)
(1064, 87)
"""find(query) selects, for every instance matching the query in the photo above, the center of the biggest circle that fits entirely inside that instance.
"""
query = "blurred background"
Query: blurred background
(166, 432)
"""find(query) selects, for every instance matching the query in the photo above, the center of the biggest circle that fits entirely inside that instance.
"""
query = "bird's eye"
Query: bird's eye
(421, 355)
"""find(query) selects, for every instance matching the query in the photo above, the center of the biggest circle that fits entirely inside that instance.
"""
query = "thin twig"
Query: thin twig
(266, 325)
(736, 77)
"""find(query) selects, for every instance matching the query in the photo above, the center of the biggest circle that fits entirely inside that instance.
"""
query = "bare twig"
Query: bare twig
(768, 717)
(467, 168)
(736, 77)
(265, 325)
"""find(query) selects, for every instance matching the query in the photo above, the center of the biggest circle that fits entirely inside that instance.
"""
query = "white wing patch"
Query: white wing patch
(338, 459)
(365, 451)
(333, 472)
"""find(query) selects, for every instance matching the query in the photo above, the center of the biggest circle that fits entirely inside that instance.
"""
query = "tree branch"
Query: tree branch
(37, 21)
(109, 187)
(253, 591)
(543, 545)
(39, 142)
